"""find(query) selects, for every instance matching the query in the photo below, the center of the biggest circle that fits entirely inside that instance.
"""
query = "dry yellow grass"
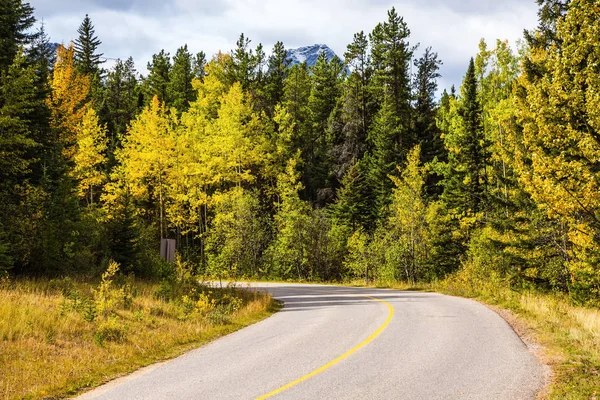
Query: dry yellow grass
(49, 349)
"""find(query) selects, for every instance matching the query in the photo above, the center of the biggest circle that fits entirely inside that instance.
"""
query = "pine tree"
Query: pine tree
(16, 21)
(352, 206)
(465, 186)
(391, 55)
(87, 59)
(242, 62)
(198, 65)
(424, 117)
(120, 102)
(18, 101)
(179, 89)
(317, 143)
(383, 157)
(159, 72)
(277, 72)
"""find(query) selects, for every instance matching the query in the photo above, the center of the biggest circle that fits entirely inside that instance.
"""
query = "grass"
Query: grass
(55, 341)
(566, 337)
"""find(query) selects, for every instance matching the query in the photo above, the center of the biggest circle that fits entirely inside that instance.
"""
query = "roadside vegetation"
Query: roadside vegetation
(61, 336)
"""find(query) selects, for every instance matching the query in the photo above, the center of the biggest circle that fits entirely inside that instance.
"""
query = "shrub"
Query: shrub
(109, 330)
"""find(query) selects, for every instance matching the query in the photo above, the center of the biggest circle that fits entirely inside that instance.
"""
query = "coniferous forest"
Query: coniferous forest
(353, 169)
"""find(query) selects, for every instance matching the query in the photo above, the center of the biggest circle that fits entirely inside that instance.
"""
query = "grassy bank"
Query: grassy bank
(60, 337)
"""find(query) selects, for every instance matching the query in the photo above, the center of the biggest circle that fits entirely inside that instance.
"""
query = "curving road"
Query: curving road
(333, 342)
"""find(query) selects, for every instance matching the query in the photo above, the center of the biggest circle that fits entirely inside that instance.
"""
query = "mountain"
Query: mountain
(309, 54)
(53, 46)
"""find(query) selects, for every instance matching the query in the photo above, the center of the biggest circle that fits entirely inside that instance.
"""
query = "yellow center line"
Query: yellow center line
(340, 358)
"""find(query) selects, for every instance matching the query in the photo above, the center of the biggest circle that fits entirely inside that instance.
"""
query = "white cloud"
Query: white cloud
(141, 28)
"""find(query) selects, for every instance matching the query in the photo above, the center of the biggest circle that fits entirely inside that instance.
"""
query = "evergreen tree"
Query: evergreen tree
(352, 206)
(317, 144)
(18, 101)
(391, 55)
(16, 21)
(242, 58)
(180, 90)
(424, 117)
(198, 65)
(277, 72)
(159, 73)
(120, 102)
(465, 183)
(383, 157)
(87, 59)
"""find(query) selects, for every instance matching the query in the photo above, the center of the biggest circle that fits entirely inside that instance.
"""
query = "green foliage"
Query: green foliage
(16, 21)
(87, 59)
(289, 250)
(179, 89)
(238, 236)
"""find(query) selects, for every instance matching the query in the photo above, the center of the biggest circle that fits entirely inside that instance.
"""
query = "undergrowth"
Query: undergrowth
(61, 336)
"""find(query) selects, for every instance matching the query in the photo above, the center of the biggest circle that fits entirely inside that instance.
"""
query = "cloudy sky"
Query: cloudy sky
(140, 28)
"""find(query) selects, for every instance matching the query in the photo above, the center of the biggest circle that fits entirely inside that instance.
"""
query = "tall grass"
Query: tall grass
(51, 344)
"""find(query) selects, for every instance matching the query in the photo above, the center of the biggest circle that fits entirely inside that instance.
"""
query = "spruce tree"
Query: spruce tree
(277, 72)
(317, 144)
(120, 102)
(383, 157)
(18, 101)
(198, 64)
(87, 60)
(352, 206)
(465, 185)
(242, 62)
(16, 21)
(180, 90)
(424, 116)
(157, 82)
(391, 55)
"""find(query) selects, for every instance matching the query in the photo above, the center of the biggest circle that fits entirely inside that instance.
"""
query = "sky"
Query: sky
(141, 28)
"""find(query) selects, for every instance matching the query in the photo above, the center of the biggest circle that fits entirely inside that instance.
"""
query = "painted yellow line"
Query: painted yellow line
(340, 358)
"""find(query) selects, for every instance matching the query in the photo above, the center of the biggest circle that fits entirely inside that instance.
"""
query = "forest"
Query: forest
(356, 169)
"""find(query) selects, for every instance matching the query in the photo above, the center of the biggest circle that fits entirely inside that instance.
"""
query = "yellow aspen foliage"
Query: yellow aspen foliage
(89, 155)
(146, 159)
(559, 149)
(68, 101)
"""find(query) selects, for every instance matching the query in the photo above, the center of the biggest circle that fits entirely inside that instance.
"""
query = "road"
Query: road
(350, 343)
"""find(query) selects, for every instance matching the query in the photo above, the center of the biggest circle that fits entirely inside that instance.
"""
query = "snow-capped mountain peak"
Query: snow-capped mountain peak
(310, 54)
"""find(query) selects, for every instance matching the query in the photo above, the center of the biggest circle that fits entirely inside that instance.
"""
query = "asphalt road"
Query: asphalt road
(350, 343)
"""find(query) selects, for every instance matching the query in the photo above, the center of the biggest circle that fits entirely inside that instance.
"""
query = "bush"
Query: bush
(165, 291)
(109, 331)
(64, 286)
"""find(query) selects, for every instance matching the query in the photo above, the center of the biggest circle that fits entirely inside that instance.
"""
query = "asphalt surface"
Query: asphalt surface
(394, 345)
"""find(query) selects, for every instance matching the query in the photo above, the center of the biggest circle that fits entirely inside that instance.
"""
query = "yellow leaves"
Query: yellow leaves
(215, 146)
(88, 156)
(68, 102)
